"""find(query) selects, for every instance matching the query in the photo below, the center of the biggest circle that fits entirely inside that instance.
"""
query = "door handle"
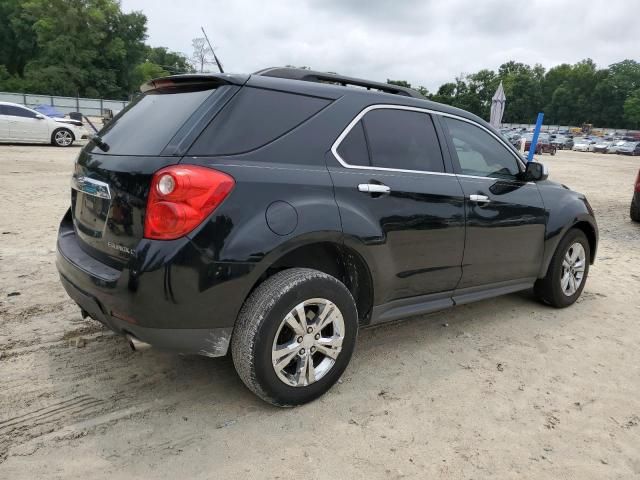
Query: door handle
(479, 198)
(373, 188)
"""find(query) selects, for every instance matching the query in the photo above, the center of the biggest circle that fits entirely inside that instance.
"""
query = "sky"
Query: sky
(426, 42)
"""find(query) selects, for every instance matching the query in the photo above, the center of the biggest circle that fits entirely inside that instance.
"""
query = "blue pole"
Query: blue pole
(534, 140)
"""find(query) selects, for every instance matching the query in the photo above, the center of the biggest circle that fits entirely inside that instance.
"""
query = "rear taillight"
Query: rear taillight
(181, 197)
(637, 189)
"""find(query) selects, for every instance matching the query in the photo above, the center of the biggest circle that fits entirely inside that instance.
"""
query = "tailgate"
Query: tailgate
(108, 201)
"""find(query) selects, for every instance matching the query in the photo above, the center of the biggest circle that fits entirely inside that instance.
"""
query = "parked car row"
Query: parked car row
(550, 142)
(20, 124)
(598, 145)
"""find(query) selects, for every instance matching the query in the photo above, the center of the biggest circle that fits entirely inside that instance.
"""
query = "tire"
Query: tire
(550, 288)
(62, 137)
(553, 152)
(260, 326)
(634, 211)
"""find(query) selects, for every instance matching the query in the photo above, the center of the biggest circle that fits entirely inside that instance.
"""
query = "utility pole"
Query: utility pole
(214, 53)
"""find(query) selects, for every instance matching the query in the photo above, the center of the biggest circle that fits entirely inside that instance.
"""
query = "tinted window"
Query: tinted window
(254, 118)
(403, 139)
(148, 123)
(17, 112)
(479, 153)
(353, 149)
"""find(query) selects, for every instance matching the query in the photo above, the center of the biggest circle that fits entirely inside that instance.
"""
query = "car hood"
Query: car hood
(552, 183)
(68, 121)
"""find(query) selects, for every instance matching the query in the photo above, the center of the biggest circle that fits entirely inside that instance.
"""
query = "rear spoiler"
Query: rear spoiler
(194, 80)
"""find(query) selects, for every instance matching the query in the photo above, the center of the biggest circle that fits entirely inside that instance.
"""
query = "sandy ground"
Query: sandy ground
(505, 388)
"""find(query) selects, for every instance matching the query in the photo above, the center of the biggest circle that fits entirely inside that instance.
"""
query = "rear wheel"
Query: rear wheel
(567, 273)
(62, 137)
(294, 336)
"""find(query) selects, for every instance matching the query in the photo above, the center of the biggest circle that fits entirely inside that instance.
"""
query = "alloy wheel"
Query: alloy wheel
(308, 342)
(63, 138)
(573, 267)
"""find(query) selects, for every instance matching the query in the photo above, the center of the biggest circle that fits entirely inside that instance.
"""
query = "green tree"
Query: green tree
(147, 71)
(78, 47)
(483, 84)
(172, 62)
(632, 109)
(523, 89)
(400, 83)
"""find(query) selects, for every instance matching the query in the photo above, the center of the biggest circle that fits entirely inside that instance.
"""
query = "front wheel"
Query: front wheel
(294, 336)
(567, 273)
(62, 138)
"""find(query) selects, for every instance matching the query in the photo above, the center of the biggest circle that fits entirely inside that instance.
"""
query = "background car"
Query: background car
(544, 144)
(613, 148)
(513, 137)
(19, 124)
(635, 201)
(562, 142)
(583, 145)
(629, 148)
(602, 146)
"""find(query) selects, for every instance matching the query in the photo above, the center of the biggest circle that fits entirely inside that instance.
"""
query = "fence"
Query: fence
(87, 106)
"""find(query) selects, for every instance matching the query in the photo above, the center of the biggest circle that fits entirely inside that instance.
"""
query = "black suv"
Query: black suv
(275, 214)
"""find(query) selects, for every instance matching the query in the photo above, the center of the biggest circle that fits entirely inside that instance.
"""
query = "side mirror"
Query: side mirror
(39, 116)
(536, 172)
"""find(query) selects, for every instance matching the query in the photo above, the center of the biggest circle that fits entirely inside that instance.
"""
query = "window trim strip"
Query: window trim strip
(358, 117)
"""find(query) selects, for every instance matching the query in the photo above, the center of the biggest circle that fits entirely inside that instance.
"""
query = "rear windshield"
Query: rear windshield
(149, 122)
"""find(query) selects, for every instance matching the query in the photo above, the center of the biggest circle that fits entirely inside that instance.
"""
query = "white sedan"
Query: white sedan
(19, 124)
(584, 145)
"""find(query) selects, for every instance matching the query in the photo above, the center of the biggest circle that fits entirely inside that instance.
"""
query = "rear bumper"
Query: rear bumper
(171, 295)
(210, 342)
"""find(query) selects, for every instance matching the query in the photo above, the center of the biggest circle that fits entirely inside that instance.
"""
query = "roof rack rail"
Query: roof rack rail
(322, 77)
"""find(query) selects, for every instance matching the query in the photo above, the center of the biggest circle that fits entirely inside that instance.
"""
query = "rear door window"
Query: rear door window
(254, 118)
(353, 149)
(403, 139)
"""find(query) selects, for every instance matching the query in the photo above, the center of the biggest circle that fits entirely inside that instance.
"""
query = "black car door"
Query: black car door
(400, 209)
(505, 216)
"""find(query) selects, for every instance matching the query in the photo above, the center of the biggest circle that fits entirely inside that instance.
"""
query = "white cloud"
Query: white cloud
(426, 42)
